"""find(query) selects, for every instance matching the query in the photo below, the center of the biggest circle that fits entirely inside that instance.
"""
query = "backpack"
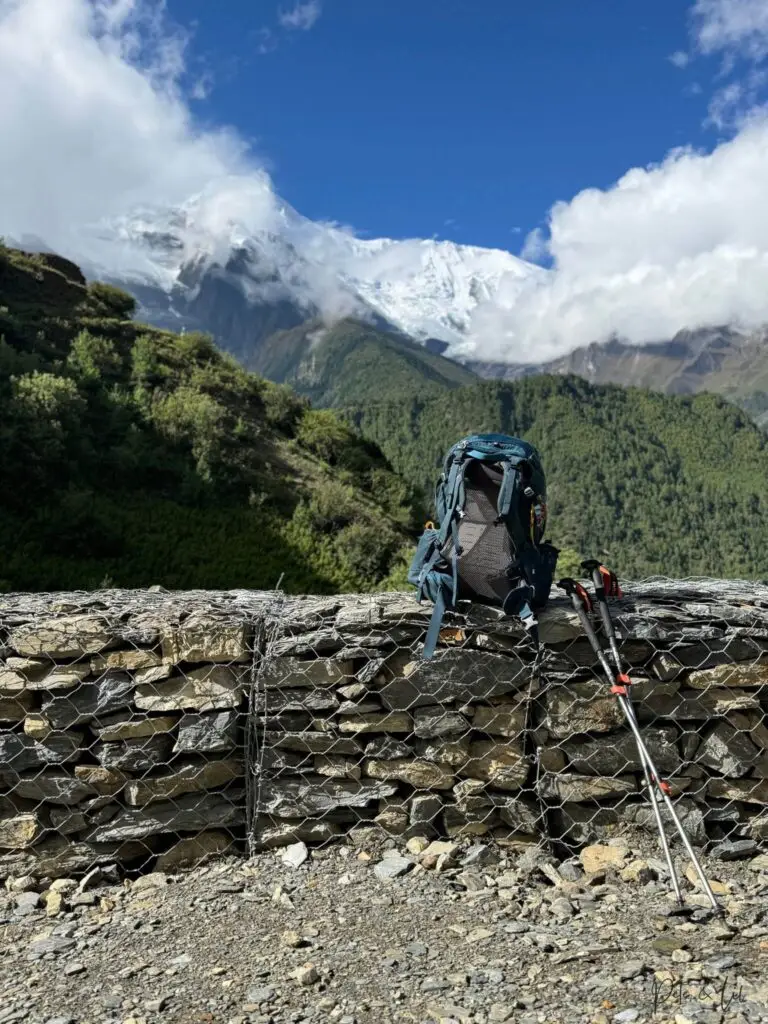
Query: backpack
(487, 543)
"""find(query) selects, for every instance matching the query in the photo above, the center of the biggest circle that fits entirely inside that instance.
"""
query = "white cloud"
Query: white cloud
(736, 30)
(680, 59)
(303, 16)
(681, 244)
(93, 121)
(732, 26)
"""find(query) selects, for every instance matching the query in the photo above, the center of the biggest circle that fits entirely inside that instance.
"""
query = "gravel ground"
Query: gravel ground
(376, 932)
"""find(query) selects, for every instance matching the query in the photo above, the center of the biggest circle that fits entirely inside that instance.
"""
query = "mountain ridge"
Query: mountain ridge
(206, 265)
(723, 360)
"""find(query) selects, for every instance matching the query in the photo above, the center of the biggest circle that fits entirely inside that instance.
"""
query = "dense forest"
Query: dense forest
(655, 483)
(133, 456)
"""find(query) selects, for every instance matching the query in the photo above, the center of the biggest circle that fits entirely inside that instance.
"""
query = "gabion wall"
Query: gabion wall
(149, 729)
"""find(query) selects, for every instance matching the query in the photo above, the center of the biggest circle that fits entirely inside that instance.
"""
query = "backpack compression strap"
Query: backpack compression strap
(443, 590)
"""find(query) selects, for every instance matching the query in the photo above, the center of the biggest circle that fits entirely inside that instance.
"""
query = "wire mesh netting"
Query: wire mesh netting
(151, 730)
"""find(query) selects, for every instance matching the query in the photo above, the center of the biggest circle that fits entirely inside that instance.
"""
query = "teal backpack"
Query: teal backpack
(487, 541)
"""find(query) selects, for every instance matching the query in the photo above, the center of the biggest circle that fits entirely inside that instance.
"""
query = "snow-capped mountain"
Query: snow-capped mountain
(243, 265)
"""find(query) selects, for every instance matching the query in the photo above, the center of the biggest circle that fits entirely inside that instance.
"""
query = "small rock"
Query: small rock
(571, 871)
(734, 849)
(54, 903)
(24, 883)
(295, 855)
(53, 944)
(260, 994)
(759, 863)
(72, 969)
(63, 885)
(308, 974)
(626, 1016)
(718, 888)
(500, 1012)
(478, 855)
(60, 1020)
(27, 903)
(438, 855)
(434, 985)
(293, 940)
(598, 857)
(154, 880)
(392, 867)
(631, 969)
(83, 899)
(638, 871)
(562, 908)
(517, 927)
(681, 956)
(417, 845)
(717, 964)
(156, 1005)
(416, 949)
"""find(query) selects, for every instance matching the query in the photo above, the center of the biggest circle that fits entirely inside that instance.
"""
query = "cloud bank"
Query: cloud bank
(683, 243)
(95, 123)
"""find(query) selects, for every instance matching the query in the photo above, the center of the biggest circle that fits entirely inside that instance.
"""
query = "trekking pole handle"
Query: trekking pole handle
(582, 604)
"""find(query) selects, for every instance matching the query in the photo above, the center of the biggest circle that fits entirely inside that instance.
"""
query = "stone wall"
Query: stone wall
(147, 728)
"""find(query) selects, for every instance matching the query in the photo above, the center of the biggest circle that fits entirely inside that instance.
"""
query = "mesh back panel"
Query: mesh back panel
(486, 546)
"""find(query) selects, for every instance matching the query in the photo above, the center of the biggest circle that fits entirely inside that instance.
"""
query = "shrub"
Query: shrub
(323, 433)
(114, 301)
(94, 357)
(282, 407)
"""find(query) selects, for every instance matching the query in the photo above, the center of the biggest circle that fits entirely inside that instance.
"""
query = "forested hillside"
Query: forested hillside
(655, 483)
(136, 456)
(354, 363)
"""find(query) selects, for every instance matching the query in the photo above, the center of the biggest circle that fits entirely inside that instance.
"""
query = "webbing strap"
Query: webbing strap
(428, 566)
(433, 633)
(451, 491)
(455, 558)
(510, 485)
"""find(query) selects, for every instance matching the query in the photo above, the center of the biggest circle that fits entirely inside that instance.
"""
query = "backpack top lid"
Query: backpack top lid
(494, 447)
(488, 448)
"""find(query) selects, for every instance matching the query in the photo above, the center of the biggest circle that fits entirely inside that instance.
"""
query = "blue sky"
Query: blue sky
(465, 119)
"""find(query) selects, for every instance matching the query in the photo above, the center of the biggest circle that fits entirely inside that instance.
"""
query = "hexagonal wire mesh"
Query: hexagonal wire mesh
(152, 729)
(356, 735)
(122, 729)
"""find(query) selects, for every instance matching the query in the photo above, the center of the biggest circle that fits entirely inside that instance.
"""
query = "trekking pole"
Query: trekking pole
(605, 583)
(619, 683)
(582, 603)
